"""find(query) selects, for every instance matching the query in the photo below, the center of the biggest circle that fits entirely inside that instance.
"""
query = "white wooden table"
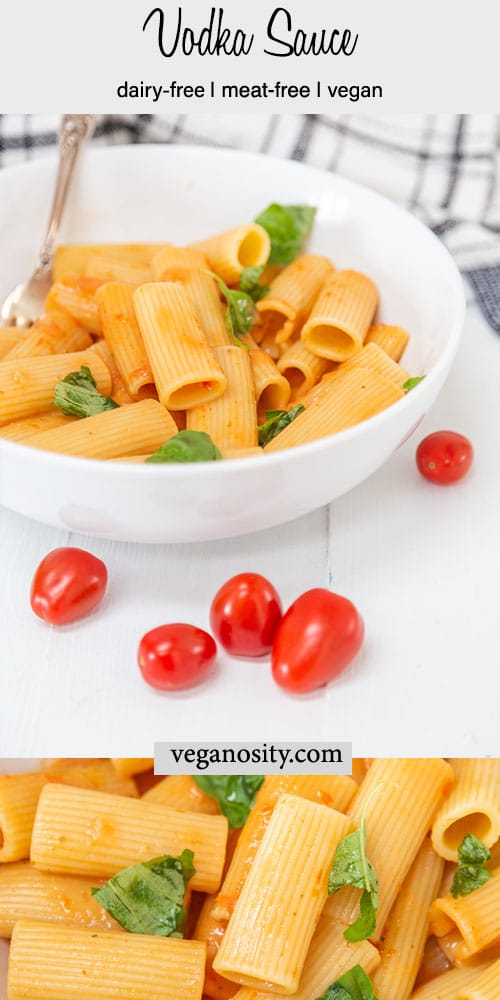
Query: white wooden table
(420, 562)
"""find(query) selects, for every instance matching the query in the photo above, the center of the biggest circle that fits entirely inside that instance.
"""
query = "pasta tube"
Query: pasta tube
(179, 791)
(401, 798)
(74, 258)
(185, 370)
(9, 337)
(474, 916)
(123, 337)
(335, 791)
(485, 987)
(404, 940)
(282, 897)
(329, 957)
(54, 333)
(18, 430)
(27, 384)
(190, 267)
(90, 773)
(291, 296)
(231, 419)
(125, 767)
(473, 806)
(392, 339)
(48, 960)
(376, 360)
(272, 390)
(447, 986)
(27, 894)
(109, 269)
(18, 801)
(93, 833)
(346, 400)
(229, 253)
(140, 427)
(341, 316)
(301, 368)
(76, 296)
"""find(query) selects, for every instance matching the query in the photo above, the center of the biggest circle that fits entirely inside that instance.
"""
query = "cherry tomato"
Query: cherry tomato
(67, 585)
(177, 656)
(245, 614)
(444, 457)
(318, 637)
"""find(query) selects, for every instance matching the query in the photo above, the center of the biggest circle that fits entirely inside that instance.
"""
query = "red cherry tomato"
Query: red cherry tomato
(245, 614)
(318, 637)
(67, 585)
(177, 656)
(444, 457)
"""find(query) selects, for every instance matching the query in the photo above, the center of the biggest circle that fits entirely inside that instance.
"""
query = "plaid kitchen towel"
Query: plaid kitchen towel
(444, 168)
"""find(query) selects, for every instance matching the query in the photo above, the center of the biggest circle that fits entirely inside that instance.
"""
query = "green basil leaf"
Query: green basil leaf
(288, 226)
(412, 382)
(352, 867)
(76, 395)
(148, 898)
(353, 985)
(471, 871)
(234, 793)
(187, 446)
(249, 283)
(276, 421)
(240, 312)
(364, 926)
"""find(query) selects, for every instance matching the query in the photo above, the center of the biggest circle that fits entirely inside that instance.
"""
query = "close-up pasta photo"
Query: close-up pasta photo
(382, 884)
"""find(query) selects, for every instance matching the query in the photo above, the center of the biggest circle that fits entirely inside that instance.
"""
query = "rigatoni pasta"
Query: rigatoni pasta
(472, 807)
(282, 897)
(121, 331)
(230, 419)
(165, 319)
(230, 252)
(341, 316)
(93, 833)
(140, 427)
(185, 370)
(291, 296)
(26, 893)
(61, 962)
(27, 384)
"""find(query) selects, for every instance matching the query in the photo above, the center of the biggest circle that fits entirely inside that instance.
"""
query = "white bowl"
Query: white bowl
(178, 194)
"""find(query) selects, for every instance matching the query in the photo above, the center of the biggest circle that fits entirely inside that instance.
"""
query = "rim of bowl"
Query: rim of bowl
(117, 469)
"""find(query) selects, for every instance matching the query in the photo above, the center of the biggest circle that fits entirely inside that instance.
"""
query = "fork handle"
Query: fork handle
(73, 133)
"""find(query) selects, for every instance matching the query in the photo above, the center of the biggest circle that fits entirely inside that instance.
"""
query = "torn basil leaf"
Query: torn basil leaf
(352, 867)
(240, 312)
(148, 898)
(187, 446)
(234, 793)
(276, 421)
(249, 283)
(353, 985)
(77, 395)
(471, 871)
(412, 382)
(288, 227)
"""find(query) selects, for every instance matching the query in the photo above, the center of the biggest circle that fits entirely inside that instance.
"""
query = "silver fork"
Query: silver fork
(25, 303)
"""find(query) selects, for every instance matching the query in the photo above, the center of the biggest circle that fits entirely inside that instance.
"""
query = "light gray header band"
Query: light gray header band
(253, 758)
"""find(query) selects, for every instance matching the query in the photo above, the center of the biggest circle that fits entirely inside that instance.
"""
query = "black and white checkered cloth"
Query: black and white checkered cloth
(444, 168)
